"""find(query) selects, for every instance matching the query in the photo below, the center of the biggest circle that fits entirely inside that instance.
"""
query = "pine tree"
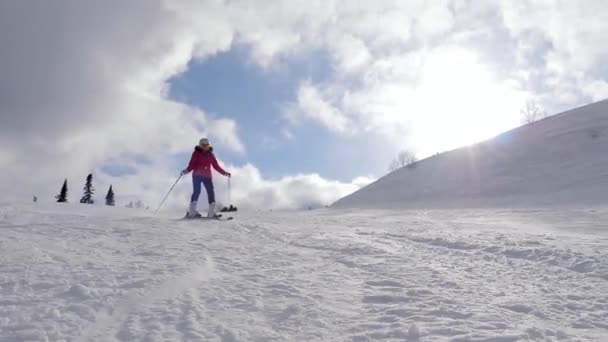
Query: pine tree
(110, 197)
(63, 195)
(87, 198)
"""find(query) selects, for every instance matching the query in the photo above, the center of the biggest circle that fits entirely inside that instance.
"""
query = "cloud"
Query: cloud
(312, 105)
(435, 64)
(363, 181)
(351, 55)
(579, 44)
(418, 99)
(225, 132)
(290, 192)
(574, 53)
(597, 90)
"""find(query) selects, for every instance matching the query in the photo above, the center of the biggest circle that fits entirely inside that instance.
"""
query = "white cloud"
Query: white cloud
(225, 132)
(311, 104)
(575, 29)
(363, 181)
(291, 192)
(421, 99)
(597, 90)
(435, 20)
(575, 46)
(351, 54)
(435, 72)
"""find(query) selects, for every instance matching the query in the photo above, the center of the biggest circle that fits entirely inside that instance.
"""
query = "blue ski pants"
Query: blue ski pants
(196, 188)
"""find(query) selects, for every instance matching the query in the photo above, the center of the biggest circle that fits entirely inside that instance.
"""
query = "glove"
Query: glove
(184, 171)
(228, 174)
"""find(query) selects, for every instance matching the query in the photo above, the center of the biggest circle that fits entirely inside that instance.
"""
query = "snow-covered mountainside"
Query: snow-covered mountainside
(85, 273)
(561, 160)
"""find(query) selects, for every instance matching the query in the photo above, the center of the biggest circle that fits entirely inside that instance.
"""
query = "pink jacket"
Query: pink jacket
(201, 162)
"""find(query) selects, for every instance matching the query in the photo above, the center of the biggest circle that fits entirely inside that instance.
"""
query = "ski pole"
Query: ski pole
(229, 191)
(167, 195)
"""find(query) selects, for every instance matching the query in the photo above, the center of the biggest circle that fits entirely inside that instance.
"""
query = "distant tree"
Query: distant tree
(130, 205)
(403, 158)
(63, 195)
(110, 197)
(532, 112)
(35, 199)
(139, 204)
(87, 198)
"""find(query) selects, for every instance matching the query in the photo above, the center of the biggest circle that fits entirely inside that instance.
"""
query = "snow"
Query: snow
(87, 273)
(558, 161)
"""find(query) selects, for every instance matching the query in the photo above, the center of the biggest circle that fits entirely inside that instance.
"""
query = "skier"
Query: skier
(200, 164)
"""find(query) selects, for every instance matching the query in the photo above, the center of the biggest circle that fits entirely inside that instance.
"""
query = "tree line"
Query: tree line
(88, 191)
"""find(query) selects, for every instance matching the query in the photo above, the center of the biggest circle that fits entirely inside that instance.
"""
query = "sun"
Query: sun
(459, 102)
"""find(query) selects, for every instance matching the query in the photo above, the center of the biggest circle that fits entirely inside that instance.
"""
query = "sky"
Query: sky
(303, 101)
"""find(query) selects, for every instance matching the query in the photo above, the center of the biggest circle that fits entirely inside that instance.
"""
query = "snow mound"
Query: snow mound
(560, 160)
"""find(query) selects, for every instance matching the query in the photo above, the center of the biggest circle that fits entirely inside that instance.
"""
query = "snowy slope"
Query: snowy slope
(84, 273)
(562, 160)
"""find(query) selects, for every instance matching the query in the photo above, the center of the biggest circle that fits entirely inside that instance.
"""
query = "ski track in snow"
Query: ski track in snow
(450, 275)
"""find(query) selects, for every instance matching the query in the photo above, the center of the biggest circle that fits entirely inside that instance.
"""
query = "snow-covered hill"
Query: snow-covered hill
(86, 273)
(562, 160)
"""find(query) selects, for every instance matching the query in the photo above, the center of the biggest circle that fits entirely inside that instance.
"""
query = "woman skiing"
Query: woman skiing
(200, 164)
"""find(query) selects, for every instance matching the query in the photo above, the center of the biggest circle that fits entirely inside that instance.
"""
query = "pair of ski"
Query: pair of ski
(214, 218)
